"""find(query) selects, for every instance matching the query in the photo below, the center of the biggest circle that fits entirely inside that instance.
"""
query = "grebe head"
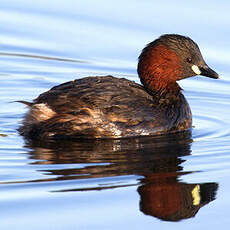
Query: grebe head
(170, 58)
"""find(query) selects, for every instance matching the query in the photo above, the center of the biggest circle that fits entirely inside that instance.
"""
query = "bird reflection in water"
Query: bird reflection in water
(158, 160)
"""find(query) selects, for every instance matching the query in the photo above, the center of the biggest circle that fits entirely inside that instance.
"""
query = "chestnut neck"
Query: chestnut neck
(159, 68)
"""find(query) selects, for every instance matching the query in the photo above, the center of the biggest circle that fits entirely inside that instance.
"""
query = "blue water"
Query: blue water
(175, 182)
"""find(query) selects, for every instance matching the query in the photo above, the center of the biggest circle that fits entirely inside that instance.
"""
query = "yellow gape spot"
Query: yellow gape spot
(196, 69)
(196, 195)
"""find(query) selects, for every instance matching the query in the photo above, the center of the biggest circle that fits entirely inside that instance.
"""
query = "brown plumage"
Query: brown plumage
(109, 107)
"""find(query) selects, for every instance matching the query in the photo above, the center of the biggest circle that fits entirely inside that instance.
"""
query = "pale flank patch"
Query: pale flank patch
(196, 69)
(196, 195)
(41, 112)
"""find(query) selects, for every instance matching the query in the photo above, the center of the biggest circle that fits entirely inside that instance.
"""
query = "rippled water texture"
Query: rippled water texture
(172, 182)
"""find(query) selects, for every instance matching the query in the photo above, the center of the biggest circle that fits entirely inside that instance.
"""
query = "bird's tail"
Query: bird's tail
(25, 103)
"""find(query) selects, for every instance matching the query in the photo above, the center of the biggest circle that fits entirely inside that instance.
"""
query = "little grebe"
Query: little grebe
(109, 107)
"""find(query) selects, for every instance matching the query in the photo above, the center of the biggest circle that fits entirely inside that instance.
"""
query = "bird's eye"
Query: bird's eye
(189, 60)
